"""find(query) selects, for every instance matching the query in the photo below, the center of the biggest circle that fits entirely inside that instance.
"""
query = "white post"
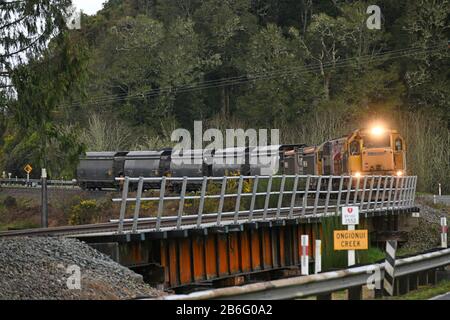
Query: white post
(351, 253)
(440, 190)
(318, 257)
(350, 218)
(305, 257)
(444, 231)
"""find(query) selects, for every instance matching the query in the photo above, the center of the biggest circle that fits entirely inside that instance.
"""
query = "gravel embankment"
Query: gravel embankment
(430, 214)
(37, 268)
(427, 234)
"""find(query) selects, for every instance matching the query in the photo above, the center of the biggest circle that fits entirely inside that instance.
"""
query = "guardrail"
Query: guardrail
(36, 183)
(441, 199)
(324, 283)
(264, 198)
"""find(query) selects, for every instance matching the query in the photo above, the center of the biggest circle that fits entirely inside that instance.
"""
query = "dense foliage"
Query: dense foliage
(140, 68)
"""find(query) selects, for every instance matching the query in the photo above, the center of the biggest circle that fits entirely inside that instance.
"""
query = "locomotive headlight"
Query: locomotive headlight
(399, 173)
(377, 131)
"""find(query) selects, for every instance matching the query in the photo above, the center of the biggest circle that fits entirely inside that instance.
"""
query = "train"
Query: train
(367, 151)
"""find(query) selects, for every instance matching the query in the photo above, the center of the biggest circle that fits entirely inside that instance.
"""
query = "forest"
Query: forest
(139, 69)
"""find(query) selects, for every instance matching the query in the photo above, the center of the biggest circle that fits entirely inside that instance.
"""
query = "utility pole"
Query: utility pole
(44, 204)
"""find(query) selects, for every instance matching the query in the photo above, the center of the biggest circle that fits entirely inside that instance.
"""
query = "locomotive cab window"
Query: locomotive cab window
(398, 145)
(383, 141)
(354, 148)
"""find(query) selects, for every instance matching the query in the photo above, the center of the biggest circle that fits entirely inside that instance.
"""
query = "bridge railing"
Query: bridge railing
(247, 199)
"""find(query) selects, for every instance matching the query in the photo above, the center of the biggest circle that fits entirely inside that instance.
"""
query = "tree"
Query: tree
(285, 92)
(330, 40)
(25, 30)
(225, 28)
(427, 75)
(41, 86)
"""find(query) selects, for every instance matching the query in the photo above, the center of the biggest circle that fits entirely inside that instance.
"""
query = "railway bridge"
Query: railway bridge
(228, 230)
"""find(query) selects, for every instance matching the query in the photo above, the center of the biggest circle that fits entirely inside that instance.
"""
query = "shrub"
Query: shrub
(86, 212)
(10, 202)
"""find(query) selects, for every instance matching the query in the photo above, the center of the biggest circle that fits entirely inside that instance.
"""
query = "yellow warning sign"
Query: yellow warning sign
(28, 168)
(351, 240)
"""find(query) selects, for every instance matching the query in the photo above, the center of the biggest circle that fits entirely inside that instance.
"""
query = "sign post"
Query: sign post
(28, 168)
(350, 218)
(44, 202)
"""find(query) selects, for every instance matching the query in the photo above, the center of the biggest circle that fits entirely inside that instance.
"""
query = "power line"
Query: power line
(239, 80)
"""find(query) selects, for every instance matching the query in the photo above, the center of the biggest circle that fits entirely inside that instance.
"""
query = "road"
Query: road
(445, 296)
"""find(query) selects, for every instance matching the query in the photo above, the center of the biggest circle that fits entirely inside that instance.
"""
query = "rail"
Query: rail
(36, 182)
(260, 198)
(323, 283)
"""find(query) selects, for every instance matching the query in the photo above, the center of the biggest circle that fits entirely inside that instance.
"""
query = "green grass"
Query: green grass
(423, 194)
(371, 256)
(425, 292)
(19, 225)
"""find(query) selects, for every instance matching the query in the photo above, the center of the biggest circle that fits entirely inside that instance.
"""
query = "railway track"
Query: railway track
(171, 223)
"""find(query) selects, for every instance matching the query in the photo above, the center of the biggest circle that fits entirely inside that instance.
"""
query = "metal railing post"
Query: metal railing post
(384, 192)
(394, 201)
(369, 199)
(404, 191)
(349, 191)
(138, 204)
(410, 193)
(123, 205)
(202, 202)
(414, 190)
(327, 200)
(238, 200)
(305, 196)
(266, 202)
(363, 194)
(377, 194)
(355, 198)
(252, 204)
(316, 200)
(294, 194)
(280, 196)
(223, 189)
(338, 201)
(181, 206)
(411, 188)
(162, 192)
(389, 202)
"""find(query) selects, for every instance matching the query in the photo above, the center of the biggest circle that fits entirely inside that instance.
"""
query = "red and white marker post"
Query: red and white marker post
(305, 253)
(444, 230)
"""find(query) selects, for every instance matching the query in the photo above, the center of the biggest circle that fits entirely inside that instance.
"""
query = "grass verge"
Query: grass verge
(425, 292)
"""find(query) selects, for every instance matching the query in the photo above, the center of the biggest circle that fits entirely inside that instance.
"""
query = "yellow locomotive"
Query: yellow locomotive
(375, 151)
